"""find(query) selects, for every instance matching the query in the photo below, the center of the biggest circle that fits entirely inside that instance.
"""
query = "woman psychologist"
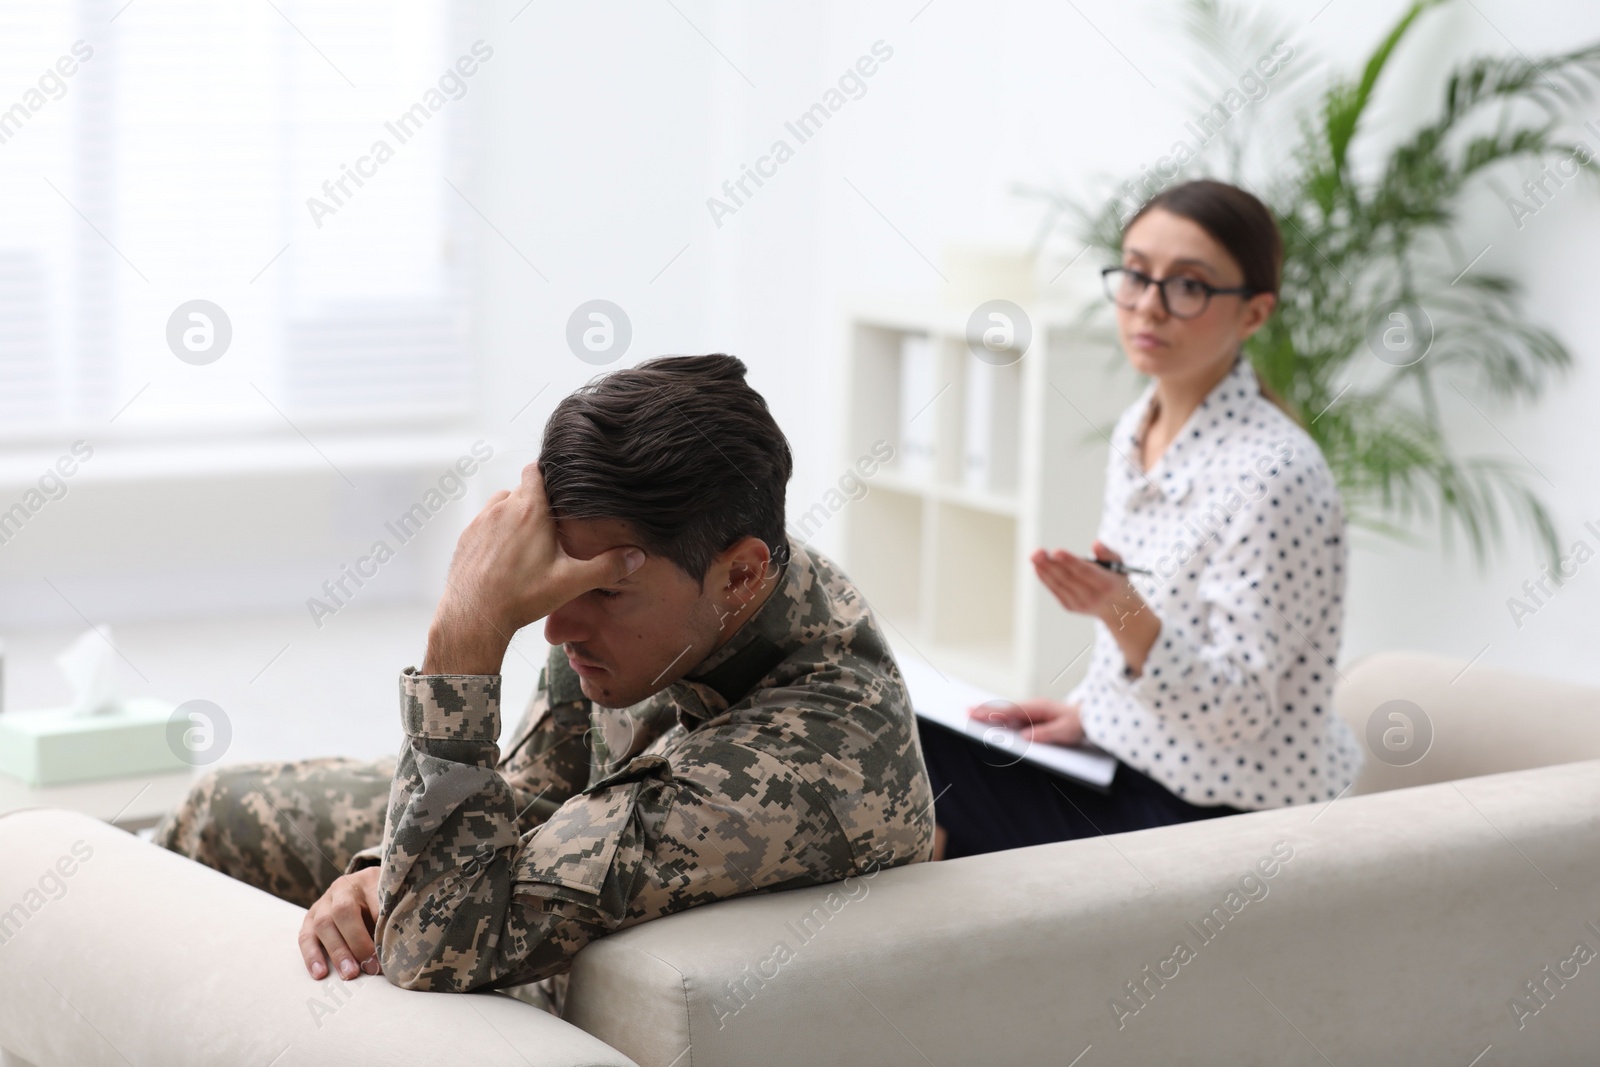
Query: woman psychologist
(1212, 673)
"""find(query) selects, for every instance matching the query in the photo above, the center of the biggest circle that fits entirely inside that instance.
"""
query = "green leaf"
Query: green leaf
(1345, 105)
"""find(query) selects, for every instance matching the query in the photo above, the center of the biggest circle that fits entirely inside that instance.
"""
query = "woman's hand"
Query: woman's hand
(1089, 589)
(1036, 719)
(1079, 584)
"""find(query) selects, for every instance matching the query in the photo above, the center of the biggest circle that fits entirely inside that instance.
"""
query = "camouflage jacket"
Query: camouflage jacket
(789, 757)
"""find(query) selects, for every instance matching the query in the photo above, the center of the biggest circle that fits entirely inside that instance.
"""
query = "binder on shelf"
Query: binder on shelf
(919, 385)
(993, 413)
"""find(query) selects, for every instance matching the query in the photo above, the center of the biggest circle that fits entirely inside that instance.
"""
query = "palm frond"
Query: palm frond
(1345, 104)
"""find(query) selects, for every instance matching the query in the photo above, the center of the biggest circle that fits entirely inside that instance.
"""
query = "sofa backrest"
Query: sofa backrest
(1417, 926)
(1431, 719)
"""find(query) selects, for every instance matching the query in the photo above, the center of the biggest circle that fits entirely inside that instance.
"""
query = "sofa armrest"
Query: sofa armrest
(115, 951)
(1474, 719)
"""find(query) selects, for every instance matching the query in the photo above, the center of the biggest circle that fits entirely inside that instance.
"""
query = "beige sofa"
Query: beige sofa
(1438, 924)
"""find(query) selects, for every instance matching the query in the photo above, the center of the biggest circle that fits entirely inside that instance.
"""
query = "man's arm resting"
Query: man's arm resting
(446, 886)
(547, 763)
(467, 904)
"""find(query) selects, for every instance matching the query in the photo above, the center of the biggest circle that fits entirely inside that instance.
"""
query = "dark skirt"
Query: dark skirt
(986, 801)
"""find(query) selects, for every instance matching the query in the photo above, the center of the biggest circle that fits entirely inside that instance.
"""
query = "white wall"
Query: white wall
(976, 100)
(609, 125)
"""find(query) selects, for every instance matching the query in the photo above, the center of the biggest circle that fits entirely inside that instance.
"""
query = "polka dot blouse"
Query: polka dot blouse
(1241, 523)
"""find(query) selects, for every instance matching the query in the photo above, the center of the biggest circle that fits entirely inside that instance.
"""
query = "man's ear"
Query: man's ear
(748, 566)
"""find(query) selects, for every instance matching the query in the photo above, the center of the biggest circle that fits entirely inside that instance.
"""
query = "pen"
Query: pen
(1117, 567)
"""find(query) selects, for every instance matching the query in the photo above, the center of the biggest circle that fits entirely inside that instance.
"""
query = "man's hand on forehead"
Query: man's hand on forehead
(509, 570)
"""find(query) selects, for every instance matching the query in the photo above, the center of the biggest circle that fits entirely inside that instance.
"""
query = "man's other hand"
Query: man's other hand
(339, 926)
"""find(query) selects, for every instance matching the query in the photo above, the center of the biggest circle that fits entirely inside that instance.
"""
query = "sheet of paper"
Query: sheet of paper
(943, 698)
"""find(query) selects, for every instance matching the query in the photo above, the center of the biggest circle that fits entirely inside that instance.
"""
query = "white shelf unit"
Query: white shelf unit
(943, 564)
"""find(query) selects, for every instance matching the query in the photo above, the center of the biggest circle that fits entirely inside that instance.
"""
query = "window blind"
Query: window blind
(195, 151)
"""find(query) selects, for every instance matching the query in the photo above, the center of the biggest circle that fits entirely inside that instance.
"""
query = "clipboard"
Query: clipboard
(942, 698)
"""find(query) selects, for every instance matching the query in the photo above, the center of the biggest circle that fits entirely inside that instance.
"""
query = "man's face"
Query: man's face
(632, 639)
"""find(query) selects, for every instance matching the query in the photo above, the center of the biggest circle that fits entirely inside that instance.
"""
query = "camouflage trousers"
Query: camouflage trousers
(290, 829)
(287, 828)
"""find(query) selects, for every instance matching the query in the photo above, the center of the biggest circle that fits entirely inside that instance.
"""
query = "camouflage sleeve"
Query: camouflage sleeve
(547, 760)
(367, 857)
(468, 903)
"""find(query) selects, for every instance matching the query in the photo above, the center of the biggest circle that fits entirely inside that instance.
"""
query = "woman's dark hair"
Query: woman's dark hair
(681, 449)
(1240, 223)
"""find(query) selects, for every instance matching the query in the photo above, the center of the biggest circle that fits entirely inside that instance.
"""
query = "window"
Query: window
(300, 165)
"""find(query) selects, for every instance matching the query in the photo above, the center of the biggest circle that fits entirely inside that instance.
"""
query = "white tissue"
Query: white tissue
(91, 669)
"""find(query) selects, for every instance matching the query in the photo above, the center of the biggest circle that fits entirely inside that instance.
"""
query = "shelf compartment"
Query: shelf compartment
(972, 582)
(885, 553)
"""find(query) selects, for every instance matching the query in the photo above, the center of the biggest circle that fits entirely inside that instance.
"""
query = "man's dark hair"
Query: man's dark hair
(681, 449)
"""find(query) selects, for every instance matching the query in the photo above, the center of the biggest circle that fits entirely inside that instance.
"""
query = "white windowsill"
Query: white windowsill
(131, 460)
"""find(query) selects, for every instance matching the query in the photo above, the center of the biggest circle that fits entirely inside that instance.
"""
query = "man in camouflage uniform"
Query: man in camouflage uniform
(716, 718)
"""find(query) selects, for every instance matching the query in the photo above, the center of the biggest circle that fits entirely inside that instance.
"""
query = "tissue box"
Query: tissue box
(52, 746)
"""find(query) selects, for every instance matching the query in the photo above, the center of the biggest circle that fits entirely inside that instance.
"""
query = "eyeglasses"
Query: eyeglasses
(1183, 297)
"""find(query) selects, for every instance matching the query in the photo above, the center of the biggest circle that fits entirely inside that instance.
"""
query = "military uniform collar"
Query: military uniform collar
(726, 676)
(1174, 473)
